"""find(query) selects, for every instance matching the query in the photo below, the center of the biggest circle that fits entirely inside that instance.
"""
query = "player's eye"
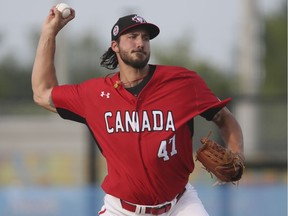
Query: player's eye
(146, 37)
(132, 36)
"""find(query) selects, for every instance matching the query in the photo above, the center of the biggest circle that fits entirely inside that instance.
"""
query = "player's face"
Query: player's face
(134, 48)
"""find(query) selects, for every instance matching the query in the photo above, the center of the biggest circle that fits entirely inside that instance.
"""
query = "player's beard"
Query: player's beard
(138, 62)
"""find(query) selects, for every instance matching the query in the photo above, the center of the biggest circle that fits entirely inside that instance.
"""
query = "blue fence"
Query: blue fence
(264, 200)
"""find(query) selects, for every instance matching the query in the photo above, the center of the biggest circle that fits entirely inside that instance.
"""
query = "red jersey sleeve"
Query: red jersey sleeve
(68, 102)
(187, 91)
(205, 98)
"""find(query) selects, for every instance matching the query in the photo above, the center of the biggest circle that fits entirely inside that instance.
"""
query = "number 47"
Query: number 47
(163, 153)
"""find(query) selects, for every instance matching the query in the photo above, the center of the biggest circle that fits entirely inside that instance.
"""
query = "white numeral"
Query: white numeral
(162, 152)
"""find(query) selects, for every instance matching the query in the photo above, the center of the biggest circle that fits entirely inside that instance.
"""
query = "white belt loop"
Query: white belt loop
(173, 202)
(140, 209)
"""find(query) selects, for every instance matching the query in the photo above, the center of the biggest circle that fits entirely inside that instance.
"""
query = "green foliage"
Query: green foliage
(84, 54)
(178, 53)
(15, 81)
(276, 53)
(84, 59)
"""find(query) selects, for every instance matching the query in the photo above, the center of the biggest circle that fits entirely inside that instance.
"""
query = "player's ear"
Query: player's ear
(114, 46)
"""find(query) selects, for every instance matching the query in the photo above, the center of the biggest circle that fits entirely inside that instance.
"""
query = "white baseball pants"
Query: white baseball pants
(188, 205)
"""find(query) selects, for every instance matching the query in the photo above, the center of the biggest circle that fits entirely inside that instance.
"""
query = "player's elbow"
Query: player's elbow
(38, 99)
(43, 99)
(223, 117)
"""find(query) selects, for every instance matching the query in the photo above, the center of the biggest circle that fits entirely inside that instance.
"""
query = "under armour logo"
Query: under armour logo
(105, 94)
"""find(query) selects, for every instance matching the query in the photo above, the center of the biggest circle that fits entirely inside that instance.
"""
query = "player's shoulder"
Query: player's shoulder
(170, 70)
(92, 84)
(93, 81)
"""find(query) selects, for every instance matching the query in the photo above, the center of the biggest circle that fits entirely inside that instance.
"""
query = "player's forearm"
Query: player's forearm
(44, 73)
(230, 130)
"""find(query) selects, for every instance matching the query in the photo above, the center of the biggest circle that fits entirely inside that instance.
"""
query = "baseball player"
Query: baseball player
(141, 118)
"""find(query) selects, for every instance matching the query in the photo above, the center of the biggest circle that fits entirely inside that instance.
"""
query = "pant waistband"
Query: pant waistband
(154, 210)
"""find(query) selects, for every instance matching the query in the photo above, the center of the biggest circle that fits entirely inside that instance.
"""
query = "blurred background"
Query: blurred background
(51, 167)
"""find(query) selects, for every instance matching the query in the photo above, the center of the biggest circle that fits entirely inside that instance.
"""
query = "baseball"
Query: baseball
(64, 9)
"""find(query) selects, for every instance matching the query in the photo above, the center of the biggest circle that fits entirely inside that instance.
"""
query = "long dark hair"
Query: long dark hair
(109, 59)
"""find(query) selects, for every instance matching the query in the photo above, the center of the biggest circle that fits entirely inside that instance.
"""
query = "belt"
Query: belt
(157, 210)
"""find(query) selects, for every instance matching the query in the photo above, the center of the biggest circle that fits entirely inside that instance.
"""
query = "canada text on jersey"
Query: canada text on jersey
(133, 121)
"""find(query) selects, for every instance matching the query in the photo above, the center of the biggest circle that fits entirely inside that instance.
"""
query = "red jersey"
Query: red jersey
(146, 140)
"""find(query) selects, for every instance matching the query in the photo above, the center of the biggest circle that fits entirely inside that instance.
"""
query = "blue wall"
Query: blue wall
(264, 200)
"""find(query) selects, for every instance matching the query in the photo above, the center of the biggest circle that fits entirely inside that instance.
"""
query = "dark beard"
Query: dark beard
(138, 63)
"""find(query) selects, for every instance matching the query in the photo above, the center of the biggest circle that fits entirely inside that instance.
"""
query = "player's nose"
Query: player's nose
(140, 42)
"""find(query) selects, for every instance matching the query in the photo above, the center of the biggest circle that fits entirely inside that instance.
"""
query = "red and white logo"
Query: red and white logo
(138, 19)
(105, 94)
(115, 30)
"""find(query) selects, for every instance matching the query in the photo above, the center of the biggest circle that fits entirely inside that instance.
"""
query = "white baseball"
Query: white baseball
(64, 9)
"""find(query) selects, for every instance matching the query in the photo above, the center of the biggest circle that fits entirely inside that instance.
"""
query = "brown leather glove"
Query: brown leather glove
(226, 165)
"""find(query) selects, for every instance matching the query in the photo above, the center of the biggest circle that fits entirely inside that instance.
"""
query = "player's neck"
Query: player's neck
(130, 76)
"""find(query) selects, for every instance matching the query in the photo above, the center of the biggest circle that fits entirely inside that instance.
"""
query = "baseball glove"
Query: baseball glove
(223, 163)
